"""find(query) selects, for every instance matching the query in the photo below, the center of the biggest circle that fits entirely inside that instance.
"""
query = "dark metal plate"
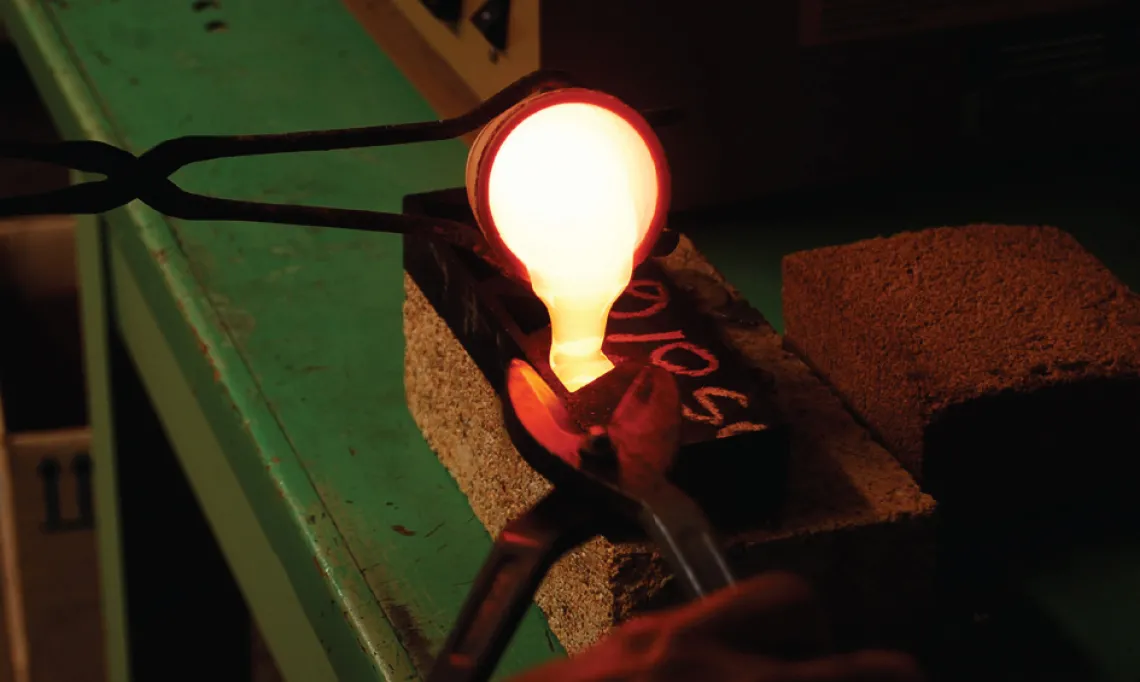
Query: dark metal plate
(734, 455)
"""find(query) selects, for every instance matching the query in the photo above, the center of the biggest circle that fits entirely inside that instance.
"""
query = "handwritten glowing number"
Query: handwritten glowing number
(658, 354)
(711, 363)
(739, 427)
(704, 396)
(658, 298)
(646, 338)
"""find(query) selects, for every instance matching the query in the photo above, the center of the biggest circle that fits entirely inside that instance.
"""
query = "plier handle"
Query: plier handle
(609, 479)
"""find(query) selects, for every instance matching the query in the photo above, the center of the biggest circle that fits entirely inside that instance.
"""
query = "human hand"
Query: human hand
(767, 629)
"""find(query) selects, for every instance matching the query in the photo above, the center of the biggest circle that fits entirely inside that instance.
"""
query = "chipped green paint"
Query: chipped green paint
(275, 354)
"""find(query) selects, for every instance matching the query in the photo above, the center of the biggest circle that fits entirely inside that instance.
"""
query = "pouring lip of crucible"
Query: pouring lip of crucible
(491, 138)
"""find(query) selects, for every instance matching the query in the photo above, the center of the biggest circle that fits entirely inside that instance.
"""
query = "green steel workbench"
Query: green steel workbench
(272, 356)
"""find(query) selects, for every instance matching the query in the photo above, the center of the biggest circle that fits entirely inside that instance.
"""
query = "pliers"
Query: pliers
(609, 479)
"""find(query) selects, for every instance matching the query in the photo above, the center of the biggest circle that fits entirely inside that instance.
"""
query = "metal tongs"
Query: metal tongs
(147, 177)
(608, 480)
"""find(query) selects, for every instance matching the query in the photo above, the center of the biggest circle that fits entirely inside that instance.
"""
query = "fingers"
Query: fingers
(774, 614)
(863, 666)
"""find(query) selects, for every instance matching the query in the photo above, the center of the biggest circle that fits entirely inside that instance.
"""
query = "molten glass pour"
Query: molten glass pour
(572, 191)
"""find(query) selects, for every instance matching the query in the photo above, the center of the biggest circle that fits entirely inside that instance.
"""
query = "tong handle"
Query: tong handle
(686, 539)
(522, 554)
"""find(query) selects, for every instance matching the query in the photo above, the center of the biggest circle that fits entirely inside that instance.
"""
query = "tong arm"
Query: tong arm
(522, 554)
(680, 530)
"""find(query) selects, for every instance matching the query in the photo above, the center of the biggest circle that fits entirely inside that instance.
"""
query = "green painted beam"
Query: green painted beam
(94, 312)
(262, 570)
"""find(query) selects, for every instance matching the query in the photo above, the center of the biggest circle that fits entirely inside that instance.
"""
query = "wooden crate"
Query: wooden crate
(50, 587)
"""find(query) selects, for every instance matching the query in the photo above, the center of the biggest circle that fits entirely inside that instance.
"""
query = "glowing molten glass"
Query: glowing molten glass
(572, 191)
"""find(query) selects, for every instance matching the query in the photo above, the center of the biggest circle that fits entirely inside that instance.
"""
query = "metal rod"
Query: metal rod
(505, 586)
